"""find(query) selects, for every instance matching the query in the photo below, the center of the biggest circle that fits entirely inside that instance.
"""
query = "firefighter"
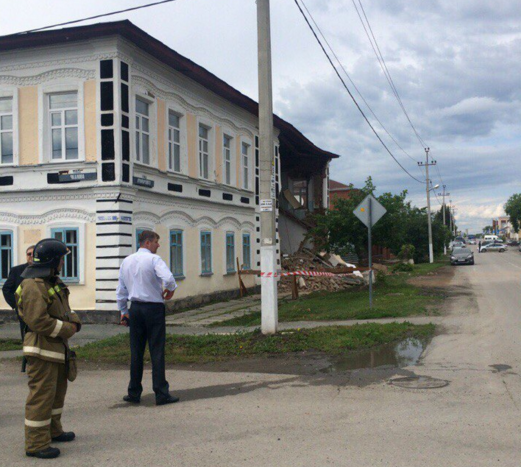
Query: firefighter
(43, 305)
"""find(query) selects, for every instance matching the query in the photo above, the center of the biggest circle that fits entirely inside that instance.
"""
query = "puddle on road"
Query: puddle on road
(397, 355)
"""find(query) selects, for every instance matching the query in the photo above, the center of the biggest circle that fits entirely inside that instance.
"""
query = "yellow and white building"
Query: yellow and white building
(104, 132)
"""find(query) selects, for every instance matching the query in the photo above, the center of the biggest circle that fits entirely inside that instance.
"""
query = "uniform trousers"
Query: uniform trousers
(147, 324)
(44, 406)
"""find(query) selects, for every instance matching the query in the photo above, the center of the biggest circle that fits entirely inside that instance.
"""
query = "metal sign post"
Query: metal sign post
(370, 211)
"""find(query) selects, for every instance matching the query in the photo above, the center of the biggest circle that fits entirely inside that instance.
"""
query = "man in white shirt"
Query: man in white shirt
(145, 280)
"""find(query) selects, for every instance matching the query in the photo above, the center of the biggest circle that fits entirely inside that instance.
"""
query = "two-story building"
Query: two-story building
(104, 132)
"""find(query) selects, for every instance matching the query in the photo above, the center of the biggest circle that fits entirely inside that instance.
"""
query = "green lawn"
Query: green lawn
(10, 344)
(393, 298)
(198, 349)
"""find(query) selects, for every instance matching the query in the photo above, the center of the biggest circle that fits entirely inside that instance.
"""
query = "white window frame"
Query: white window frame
(12, 93)
(138, 157)
(211, 148)
(246, 182)
(13, 228)
(171, 143)
(63, 127)
(201, 153)
(181, 113)
(44, 123)
(231, 136)
(81, 244)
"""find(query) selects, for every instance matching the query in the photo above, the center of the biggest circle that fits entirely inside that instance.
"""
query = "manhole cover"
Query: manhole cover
(419, 382)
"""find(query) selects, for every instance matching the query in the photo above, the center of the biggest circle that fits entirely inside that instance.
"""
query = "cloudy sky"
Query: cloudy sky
(456, 66)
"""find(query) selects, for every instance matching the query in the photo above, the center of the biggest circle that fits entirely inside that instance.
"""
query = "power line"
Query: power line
(383, 65)
(351, 94)
(356, 87)
(90, 17)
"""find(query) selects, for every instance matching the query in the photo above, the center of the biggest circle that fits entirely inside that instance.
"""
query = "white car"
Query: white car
(472, 242)
(494, 247)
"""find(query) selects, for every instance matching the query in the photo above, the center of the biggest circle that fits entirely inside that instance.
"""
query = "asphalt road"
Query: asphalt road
(354, 419)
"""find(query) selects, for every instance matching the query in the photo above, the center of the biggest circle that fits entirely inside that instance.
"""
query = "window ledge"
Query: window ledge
(179, 278)
(206, 274)
(230, 273)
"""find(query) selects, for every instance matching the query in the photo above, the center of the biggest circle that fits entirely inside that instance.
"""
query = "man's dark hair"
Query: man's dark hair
(147, 235)
(29, 248)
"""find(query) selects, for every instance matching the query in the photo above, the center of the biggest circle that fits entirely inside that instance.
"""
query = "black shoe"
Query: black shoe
(168, 400)
(49, 453)
(133, 400)
(65, 437)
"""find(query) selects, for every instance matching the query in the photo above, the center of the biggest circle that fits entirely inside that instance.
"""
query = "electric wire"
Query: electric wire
(356, 87)
(383, 65)
(91, 17)
(351, 94)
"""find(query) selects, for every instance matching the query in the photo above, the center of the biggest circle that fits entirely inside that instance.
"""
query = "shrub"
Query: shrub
(403, 267)
(407, 252)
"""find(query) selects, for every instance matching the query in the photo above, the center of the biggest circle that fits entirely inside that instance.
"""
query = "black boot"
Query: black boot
(132, 399)
(65, 437)
(49, 453)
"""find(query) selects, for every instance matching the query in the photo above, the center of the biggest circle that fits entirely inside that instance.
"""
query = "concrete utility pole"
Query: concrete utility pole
(428, 190)
(269, 303)
(444, 207)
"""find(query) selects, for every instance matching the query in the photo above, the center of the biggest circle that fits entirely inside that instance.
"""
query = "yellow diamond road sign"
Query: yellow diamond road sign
(369, 206)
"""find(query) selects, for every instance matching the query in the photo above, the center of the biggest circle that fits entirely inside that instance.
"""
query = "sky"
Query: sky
(454, 64)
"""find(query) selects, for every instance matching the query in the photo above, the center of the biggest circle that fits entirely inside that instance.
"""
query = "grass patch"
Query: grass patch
(10, 344)
(199, 349)
(393, 297)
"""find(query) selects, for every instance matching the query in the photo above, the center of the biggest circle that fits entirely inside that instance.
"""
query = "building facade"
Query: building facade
(105, 132)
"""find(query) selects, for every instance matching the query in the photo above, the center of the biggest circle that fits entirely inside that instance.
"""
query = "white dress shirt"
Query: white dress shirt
(142, 277)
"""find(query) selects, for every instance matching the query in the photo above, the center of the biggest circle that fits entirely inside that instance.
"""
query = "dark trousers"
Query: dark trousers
(147, 323)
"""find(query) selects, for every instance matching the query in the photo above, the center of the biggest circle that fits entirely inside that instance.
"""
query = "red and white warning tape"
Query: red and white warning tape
(308, 273)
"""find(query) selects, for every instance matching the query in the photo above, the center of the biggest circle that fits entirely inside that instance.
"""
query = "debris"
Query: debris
(306, 260)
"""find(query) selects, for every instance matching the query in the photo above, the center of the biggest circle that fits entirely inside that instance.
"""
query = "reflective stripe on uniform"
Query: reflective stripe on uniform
(18, 293)
(51, 292)
(34, 424)
(57, 328)
(57, 411)
(44, 353)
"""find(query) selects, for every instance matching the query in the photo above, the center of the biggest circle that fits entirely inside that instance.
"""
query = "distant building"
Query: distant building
(339, 190)
(105, 132)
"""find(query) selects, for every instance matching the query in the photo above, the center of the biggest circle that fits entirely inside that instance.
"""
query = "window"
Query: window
(63, 118)
(6, 130)
(246, 251)
(142, 132)
(245, 166)
(174, 142)
(230, 252)
(138, 233)
(300, 192)
(206, 252)
(70, 237)
(203, 152)
(6, 254)
(227, 156)
(176, 252)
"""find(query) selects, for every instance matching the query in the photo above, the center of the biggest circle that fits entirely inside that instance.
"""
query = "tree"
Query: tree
(341, 232)
(513, 211)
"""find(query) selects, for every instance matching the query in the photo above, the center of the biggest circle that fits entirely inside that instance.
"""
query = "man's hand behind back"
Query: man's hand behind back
(168, 294)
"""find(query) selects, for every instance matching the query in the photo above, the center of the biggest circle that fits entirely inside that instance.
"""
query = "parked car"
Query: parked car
(461, 256)
(513, 243)
(457, 245)
(500, 247)
(472, 242)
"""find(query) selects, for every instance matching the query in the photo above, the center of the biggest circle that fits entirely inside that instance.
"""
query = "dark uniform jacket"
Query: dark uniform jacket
(43, 304)
(11, 284)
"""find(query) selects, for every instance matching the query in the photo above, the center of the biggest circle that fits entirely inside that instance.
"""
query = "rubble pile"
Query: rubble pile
(306, 260)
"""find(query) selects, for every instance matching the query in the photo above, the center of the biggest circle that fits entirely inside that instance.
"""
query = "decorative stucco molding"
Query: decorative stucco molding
(184, 218)
(59, 73)
(56, 214)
